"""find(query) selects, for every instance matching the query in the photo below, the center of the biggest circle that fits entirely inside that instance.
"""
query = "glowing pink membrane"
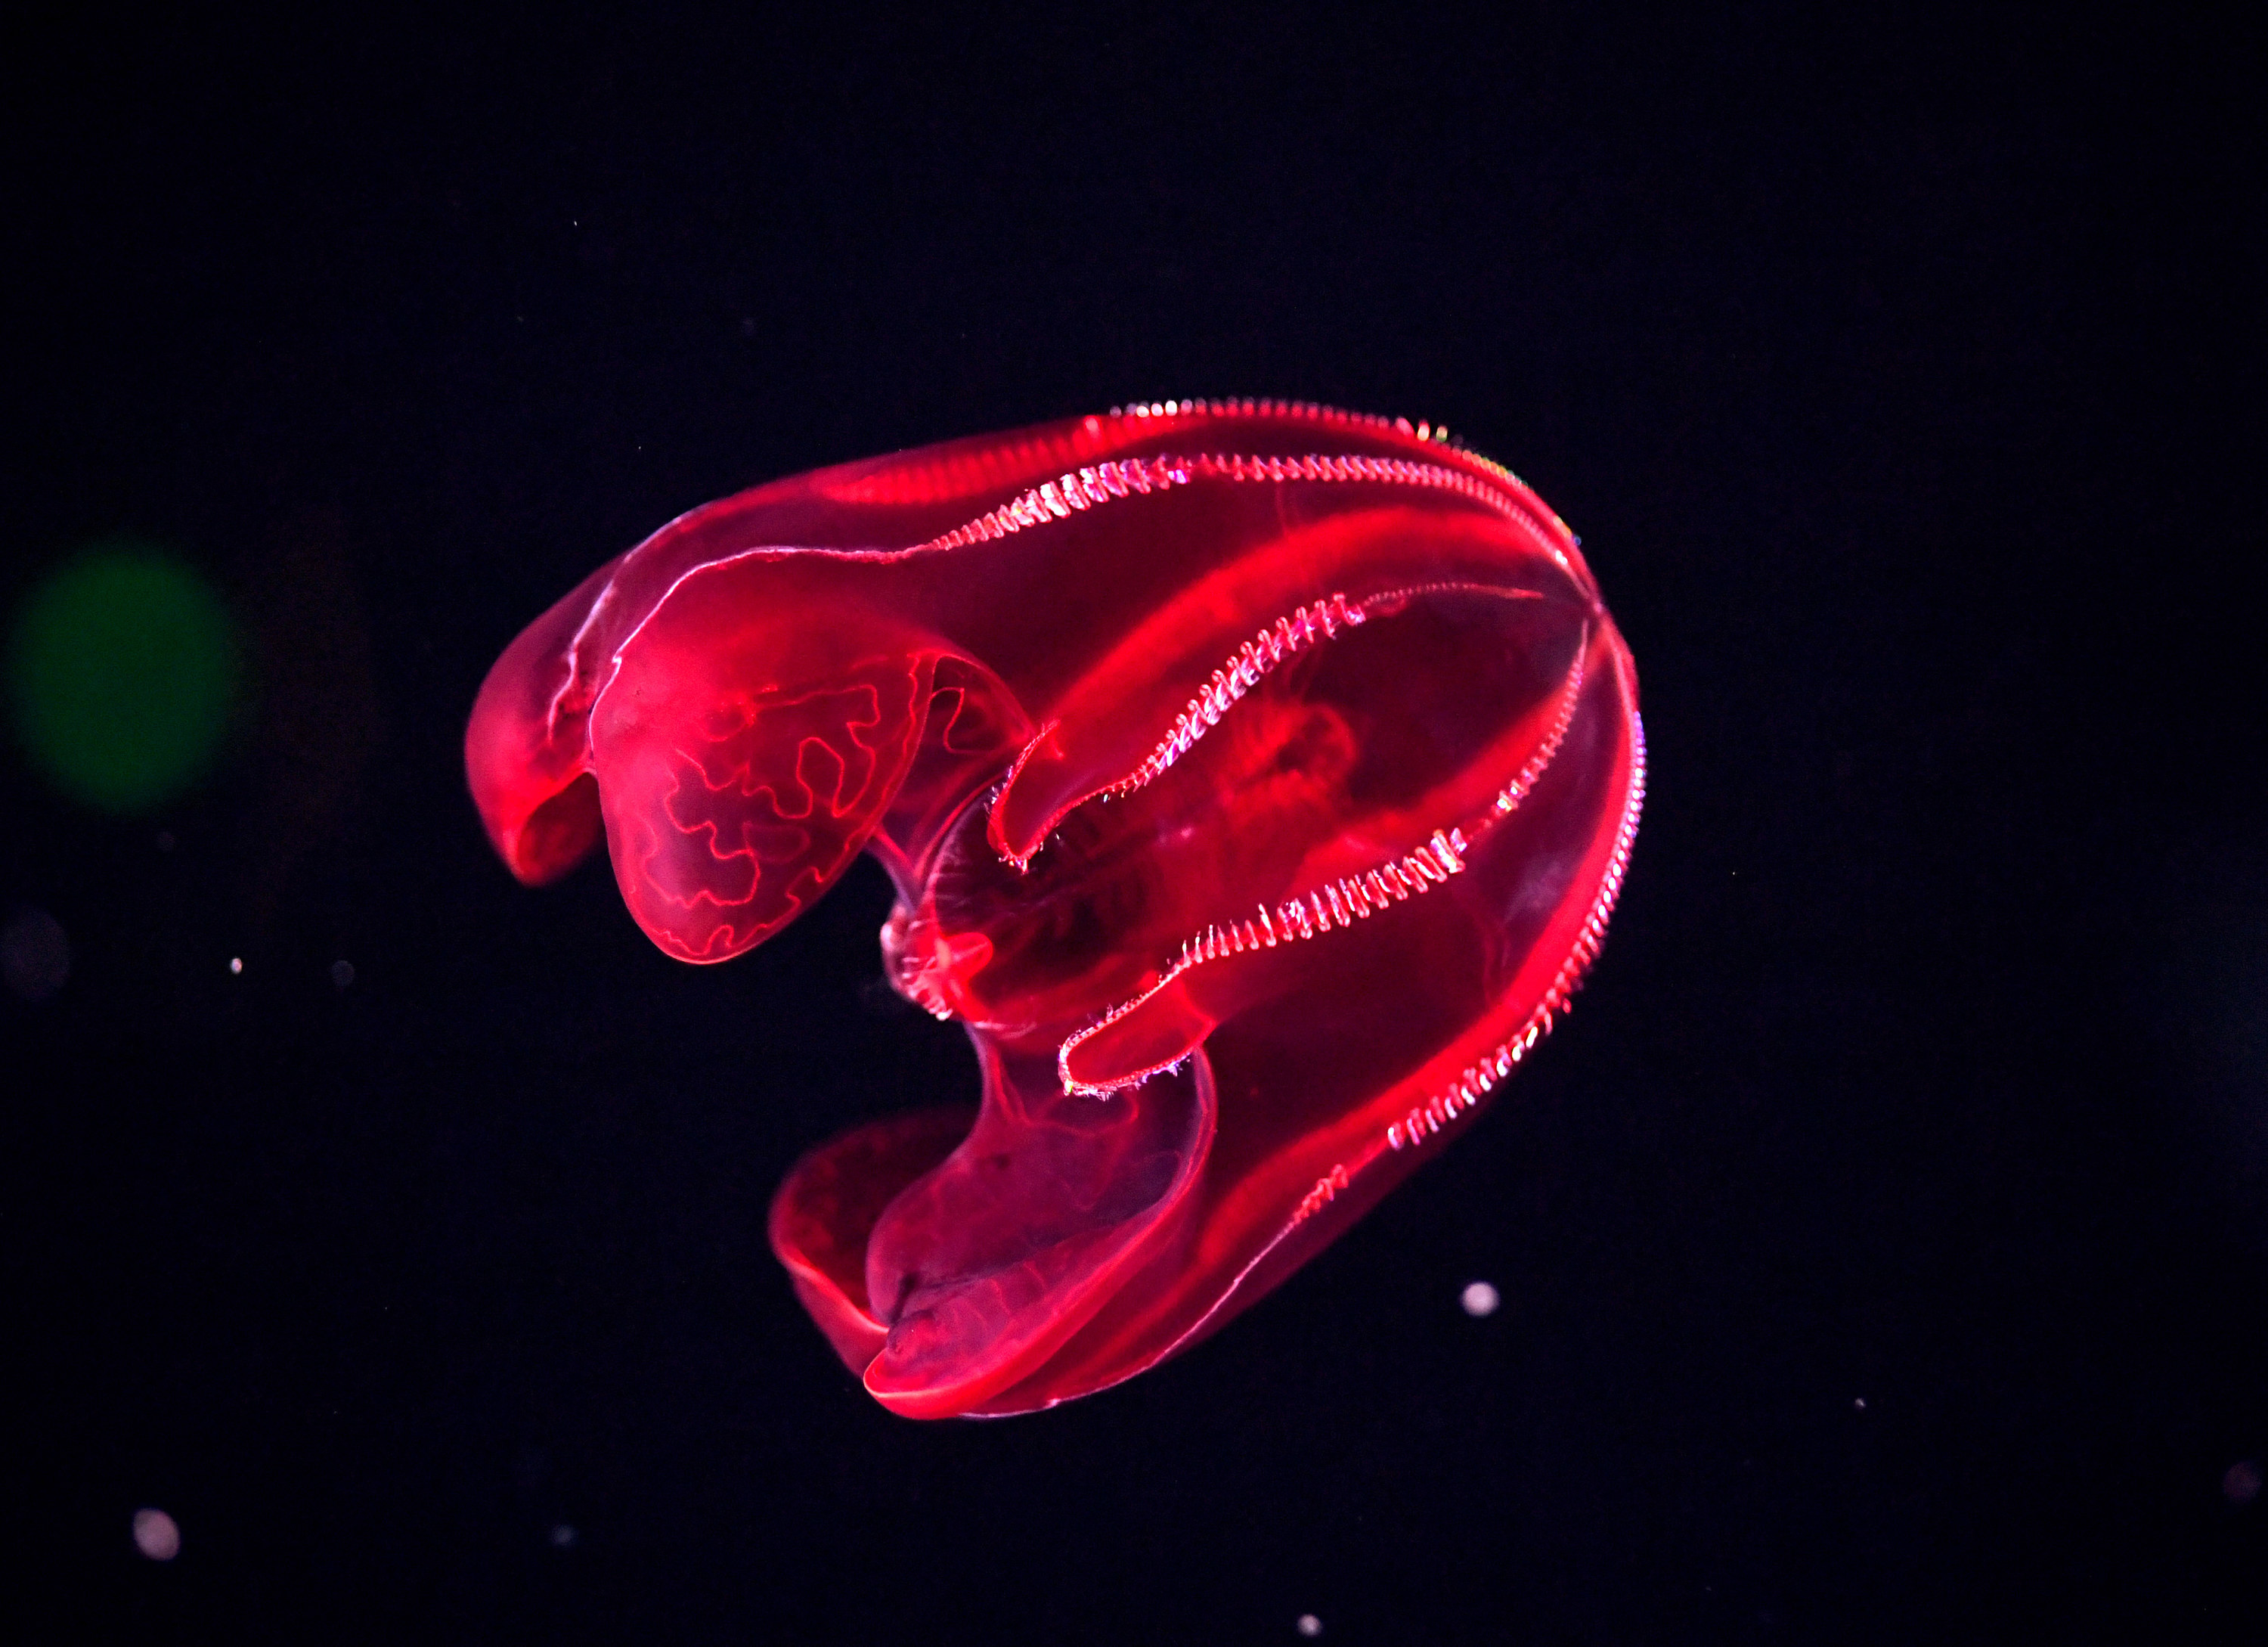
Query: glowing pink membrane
(1256, 780)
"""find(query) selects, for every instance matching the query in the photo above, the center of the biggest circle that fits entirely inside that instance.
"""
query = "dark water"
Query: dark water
(1883, 1243)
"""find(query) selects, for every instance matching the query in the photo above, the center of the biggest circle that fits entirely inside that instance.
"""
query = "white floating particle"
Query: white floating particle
(1479, 1299)
(343, 973)
(235, 965)
(2242, 1483)
(1310, 1626)
(563, 1536)
(35, 954)
(156, 1535)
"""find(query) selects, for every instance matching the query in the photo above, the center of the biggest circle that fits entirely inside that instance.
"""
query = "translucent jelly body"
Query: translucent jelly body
(1256, 780)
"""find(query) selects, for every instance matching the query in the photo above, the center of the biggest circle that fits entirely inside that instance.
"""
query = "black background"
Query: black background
(1902, 378)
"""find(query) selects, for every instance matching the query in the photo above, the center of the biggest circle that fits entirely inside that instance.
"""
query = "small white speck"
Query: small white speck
(1479, 1299)
(1310, 1626)
(343, 973)
(156, 1535)
(563, 1536)
(1859, 1404)
(235, 965)
(35, 954)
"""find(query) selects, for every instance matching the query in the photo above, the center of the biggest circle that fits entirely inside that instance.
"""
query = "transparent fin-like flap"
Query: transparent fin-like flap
(982, 1268)
(830, 1205)
(742, 764)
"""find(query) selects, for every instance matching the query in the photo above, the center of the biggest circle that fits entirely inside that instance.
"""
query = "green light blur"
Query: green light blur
(122, 665)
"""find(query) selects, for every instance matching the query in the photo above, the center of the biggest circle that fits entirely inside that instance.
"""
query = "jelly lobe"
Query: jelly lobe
(1304, 1023)
(1256, 781)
